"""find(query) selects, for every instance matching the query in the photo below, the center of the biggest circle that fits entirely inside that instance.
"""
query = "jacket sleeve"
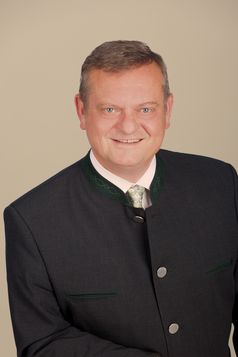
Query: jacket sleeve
(235, 309)
(39, 326)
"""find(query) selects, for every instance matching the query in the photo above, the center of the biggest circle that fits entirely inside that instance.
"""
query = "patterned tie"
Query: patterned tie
(136, 193)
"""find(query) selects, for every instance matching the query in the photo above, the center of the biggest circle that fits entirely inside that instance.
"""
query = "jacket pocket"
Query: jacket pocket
(92, 296)
(221, 266)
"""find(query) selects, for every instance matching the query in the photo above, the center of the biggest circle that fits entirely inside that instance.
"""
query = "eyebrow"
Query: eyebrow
(149, 103)
(140, 104)
(99, 105)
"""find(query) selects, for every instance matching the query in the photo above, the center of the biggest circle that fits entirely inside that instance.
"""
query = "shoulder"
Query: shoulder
(54, 190)
(196, 169)
(193, 163)
(178, 158)
(201, 178)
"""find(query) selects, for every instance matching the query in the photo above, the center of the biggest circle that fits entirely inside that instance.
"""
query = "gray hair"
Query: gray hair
(115, 56)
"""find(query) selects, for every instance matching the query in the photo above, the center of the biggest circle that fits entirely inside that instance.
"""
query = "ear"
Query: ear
(169, 106)
(80, 111)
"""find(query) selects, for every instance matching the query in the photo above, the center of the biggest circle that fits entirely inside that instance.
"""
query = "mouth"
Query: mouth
(128, 141)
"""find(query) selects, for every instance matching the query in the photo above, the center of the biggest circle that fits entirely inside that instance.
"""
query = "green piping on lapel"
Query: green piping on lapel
(108, 188)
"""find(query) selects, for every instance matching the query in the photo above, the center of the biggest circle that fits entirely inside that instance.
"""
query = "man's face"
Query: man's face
(125, 118)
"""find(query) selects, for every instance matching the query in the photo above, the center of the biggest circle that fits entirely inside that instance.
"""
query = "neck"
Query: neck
(128, 173)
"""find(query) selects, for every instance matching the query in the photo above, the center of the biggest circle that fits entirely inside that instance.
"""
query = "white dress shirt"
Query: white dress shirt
(123, 184)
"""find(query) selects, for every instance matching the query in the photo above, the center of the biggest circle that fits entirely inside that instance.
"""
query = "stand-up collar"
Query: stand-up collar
(100, 183)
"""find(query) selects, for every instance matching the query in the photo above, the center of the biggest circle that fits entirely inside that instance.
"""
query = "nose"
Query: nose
(128, 123)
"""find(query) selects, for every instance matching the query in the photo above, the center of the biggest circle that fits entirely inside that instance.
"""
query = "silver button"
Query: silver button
(138, 219)
(161, 272)
(173, 328)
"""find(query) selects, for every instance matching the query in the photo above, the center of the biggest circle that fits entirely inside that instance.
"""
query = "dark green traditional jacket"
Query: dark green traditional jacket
(90, 276)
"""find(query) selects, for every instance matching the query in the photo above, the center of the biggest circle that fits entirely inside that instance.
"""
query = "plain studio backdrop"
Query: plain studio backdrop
(43, 44)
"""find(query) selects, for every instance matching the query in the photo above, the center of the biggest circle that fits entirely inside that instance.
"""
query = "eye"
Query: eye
(109, 110)
(146, 110)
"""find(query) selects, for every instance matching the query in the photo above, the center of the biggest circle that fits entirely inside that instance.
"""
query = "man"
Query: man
(132, 250)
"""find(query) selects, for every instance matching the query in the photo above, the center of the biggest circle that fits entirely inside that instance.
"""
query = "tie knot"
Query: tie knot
(136, 193)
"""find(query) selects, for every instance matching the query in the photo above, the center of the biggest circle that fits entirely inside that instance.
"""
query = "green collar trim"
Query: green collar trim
(106, 187)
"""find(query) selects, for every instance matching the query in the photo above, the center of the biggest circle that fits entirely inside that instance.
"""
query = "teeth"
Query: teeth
(129, 141)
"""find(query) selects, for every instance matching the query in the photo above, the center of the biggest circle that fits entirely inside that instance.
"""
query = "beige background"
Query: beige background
(43, 43)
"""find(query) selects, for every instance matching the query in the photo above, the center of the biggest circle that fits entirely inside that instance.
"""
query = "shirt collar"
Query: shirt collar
(123, 184)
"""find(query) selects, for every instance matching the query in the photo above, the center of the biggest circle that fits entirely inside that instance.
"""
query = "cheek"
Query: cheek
(97, 127)
(155, 127)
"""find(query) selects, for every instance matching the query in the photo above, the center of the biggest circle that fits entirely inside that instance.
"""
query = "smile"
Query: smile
(128, 141)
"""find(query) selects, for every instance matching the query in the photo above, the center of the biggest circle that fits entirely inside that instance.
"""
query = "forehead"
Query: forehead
(144, 78)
